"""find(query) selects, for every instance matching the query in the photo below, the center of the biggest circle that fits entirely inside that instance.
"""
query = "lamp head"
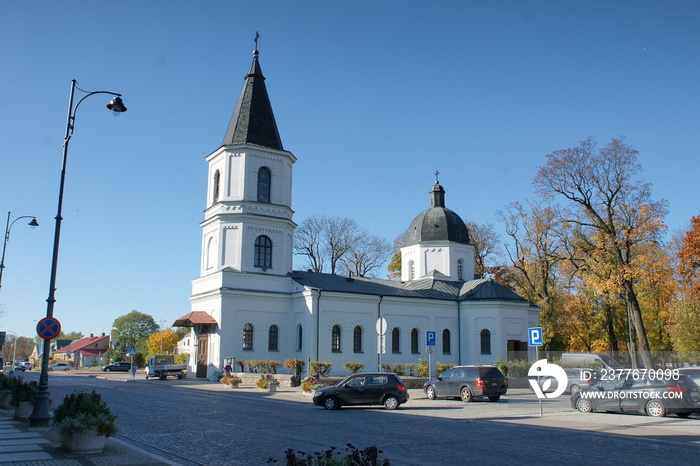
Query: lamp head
(116, 106)
(33, 223)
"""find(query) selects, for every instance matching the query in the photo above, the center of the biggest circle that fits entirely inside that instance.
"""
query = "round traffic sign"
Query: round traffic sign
(48, 328)
(381, 326)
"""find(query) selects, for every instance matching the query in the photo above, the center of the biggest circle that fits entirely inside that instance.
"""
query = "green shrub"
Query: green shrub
(353, 367)
(412, 369)
(263, 366)
(515, 368)
(24, 391)
(84, 411)
(320, 369)
(440, 368)
(398, 369)
(422, 367)
(386, 367)
(369, 456)
(182, 358)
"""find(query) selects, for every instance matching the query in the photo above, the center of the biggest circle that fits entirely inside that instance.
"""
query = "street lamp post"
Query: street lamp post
(41, 415)
(8, 226)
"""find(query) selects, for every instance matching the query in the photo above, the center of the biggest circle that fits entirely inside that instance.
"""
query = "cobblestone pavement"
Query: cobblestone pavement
(509, 431)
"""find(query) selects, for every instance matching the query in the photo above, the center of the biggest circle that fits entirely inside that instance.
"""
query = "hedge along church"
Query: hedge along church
(250, 304)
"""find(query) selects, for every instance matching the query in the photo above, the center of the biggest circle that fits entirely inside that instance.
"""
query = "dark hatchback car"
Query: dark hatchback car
(653, 397)
(467, 383)
(368, 388)
(117, 366)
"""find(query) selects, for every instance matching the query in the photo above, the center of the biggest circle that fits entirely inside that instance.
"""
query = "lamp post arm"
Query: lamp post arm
(42, 414)
(8, 227)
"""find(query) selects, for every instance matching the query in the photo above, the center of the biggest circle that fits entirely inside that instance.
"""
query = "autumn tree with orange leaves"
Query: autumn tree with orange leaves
(686, 314)
(603, 198)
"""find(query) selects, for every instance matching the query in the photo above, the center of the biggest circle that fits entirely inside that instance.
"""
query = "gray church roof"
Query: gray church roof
(473, 290)
(437, 223)
(253, 121)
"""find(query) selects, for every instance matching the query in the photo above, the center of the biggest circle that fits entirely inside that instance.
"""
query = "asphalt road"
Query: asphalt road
(195, 422)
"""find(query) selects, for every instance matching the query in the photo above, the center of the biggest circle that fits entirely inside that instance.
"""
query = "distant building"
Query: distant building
(249, 304)
(88, 351)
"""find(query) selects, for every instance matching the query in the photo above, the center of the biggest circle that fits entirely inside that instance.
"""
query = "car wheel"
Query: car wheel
(574, 389)
(331, 403)
(391, 402)
(495, 398)
(466, 394)
(683, 415)
(656, 409)
(109, 369)
(430, 392)
(584, 405)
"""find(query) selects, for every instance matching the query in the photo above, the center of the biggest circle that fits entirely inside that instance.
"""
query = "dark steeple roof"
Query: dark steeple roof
(437, 223)
(253, 121)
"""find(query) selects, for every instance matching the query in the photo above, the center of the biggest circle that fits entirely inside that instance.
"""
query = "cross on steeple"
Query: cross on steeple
(257, 37)
(437, 177)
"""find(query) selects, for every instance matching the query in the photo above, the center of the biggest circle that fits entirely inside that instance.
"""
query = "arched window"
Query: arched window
(459, 270)
(273, 338)
(263, 252)
(248, 337)
(335, 339)
(446, 341)
(357, 339)
(217, 181)
(300, 335)
(414, 341)
(210, 253)
(411, 270)
(395, 340)
(264, 178)
(485, 341)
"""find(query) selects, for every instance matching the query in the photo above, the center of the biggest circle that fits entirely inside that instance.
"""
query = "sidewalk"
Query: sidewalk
(34, 446)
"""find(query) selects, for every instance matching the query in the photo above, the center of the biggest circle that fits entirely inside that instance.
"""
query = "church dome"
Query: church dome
(437, 223)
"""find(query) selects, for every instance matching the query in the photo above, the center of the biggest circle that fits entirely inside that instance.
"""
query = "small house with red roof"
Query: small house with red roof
(88, 351)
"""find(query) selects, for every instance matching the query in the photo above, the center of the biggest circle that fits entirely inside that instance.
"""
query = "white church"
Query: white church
(248, 303)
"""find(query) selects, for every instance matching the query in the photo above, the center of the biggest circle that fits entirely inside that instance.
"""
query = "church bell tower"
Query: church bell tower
(248, 223)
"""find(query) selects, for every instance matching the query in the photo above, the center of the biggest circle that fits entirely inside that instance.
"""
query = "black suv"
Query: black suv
(368, 388)
(468, 382)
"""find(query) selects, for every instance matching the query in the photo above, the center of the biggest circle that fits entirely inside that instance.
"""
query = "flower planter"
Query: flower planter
(6, 400)
(83, 443)
(24, 410)
(309, 393)
(271, 388)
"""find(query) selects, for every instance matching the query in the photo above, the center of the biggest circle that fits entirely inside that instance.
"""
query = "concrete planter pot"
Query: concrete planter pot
(6, 400)
(271, 388)
(24, 410)
(83, 443)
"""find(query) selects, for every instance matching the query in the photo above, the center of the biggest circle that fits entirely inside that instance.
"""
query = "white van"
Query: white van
(592, 360)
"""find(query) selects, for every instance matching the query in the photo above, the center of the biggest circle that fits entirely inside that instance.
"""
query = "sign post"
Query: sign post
(131, 353)
(381, 340)
(430, 344)
(534, 337)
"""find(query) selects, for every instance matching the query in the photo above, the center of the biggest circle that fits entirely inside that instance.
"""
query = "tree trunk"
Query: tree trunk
(636, 315)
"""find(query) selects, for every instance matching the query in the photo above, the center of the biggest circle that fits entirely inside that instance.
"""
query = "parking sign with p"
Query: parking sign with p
(535, 336)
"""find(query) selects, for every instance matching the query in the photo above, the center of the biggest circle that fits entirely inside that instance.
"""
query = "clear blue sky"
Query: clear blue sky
(371, 97)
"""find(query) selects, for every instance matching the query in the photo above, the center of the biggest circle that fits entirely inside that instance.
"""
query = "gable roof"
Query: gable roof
(78, 345)
(430, 287)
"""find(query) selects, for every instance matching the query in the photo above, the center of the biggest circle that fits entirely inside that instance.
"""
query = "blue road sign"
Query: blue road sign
(534, 336)
(430, 338)
(131, 352)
